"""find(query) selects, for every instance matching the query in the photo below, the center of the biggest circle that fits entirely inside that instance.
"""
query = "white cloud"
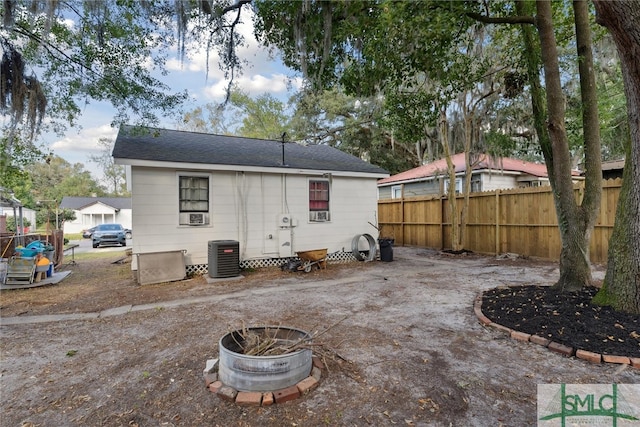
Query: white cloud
(84, 141)
(78, 147)
(260, 74)
(257, 84)
(204, 84)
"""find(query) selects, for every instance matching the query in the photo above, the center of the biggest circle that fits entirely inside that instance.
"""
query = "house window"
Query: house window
(396, 192)
(476, 184)
(458, 186)
(318, 200)
(194, 200)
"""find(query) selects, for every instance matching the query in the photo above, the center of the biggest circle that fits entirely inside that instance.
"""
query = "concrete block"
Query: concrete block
(227, 393)
(210, 366)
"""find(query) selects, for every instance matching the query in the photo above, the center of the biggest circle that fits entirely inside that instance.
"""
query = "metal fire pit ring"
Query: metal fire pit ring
(263, 373)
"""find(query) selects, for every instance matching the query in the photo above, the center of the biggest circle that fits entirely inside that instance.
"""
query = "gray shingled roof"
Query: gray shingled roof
(77, 203)
(166, 145)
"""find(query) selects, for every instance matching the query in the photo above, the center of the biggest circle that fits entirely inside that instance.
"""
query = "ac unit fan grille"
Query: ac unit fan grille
(224, 258)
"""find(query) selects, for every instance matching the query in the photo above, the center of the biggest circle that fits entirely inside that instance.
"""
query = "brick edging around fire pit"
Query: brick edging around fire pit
(552, 345)
(261, 398)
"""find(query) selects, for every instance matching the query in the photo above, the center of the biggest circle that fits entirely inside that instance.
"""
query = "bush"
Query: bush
(12, 226)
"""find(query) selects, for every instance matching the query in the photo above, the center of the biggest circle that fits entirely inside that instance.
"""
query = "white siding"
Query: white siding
(498, 181)
(245, 207)
(27, 214)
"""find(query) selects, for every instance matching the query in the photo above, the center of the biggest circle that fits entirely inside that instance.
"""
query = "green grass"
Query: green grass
(93, 255)
(69, 236)
(73, 236)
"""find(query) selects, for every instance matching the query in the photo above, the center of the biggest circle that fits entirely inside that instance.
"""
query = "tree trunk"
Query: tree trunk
(466, 189)
(575, 222)
(468, 169)
(621, 287)
(452, 202)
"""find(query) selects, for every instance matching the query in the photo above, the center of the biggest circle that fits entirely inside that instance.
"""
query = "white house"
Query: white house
(27, 214)
(92, 211)
(273, 198)
(487, 174)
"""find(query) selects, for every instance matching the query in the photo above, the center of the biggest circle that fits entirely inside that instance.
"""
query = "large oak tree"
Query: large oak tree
(621, 287)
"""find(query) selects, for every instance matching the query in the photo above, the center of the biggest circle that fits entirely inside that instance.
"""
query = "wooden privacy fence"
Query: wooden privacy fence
(521, 221)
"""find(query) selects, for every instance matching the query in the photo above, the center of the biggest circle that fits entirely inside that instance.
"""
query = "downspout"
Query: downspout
(242, 213)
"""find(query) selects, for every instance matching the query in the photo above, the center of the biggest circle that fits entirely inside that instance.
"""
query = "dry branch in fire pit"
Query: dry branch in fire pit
(268, 343)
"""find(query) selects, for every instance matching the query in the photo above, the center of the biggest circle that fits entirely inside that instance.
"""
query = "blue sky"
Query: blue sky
(262, 75)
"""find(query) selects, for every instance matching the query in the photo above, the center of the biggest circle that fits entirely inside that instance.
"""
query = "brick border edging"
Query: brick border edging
(261, 398)
(552, 345)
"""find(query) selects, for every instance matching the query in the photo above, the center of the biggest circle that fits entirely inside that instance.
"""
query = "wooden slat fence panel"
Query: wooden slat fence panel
(521, 221)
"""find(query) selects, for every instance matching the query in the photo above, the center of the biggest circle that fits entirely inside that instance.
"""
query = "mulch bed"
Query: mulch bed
(567, 318)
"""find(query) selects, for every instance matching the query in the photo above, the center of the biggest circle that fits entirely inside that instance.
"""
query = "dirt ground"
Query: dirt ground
(416, 353)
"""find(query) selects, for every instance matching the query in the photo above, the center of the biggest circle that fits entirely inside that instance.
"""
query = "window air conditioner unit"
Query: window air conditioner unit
(319, 216)
(197, 219)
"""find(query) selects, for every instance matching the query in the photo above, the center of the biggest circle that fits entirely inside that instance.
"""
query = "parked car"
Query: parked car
(108, 234)
(86, 234)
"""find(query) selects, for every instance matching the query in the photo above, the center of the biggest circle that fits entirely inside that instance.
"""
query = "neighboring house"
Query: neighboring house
(12, 207)
(487, 174)
(92, 211)
(612, 169)
(27, 214)
(273, 198)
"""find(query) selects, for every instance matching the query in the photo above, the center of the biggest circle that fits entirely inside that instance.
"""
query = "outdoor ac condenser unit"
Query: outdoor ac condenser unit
(224, 258)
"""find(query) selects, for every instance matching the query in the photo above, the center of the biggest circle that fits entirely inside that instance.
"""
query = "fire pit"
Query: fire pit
(264, 358)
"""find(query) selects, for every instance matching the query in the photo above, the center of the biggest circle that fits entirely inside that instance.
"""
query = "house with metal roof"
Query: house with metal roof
(488, 173)
(91, 211)
(273, 198)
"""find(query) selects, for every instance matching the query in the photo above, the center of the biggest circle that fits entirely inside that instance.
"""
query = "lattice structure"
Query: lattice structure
(197, 270)
(334, 258)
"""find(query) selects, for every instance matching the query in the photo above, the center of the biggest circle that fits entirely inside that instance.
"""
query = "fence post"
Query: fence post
(441, 223)
(402, 216)
(497, 222)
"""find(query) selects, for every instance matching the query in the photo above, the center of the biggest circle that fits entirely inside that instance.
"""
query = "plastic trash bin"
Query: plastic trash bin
(386, 249)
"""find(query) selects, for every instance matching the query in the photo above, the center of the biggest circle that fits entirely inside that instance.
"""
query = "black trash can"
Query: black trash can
(386, 249)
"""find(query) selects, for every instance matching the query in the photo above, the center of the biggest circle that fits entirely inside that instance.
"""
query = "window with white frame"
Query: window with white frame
(194, 200)
(458, 185)
(396, 192)
(476, 184)
(319, 200)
